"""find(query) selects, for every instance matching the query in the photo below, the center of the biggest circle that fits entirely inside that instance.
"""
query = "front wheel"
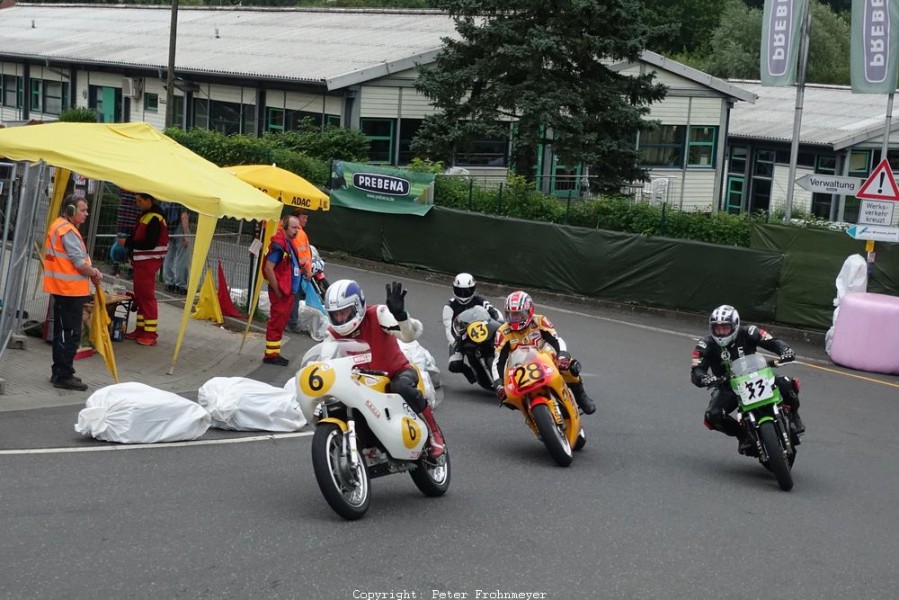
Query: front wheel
(345, 488)
(431, 477)
(777, 461)
(552, 435)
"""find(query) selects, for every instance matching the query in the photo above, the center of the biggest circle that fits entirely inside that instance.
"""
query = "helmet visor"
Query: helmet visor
(516, 317)
(342, 316)
(722, 329)
(463, 293)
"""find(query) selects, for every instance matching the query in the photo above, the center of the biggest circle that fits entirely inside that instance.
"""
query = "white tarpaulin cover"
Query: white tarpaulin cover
(135, 413)
(853, 278)
(242, 404)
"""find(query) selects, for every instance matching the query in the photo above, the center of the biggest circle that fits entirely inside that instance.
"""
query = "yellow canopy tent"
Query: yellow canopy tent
(283, 185)
(137, 157)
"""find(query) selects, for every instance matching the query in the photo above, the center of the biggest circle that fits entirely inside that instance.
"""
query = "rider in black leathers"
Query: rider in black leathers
(728, 341)
(464, 297)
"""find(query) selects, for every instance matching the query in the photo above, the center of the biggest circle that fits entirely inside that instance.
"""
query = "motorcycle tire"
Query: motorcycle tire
(777, 460)
(348, 493)
(552, 435)
(432, 480)
(581, 440)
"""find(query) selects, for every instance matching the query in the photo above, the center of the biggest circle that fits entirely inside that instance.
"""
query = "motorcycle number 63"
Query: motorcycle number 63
(477, 331)
(316, 379)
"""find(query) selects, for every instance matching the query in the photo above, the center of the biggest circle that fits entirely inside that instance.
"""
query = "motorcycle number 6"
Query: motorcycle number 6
(316, 379)
(478, 332)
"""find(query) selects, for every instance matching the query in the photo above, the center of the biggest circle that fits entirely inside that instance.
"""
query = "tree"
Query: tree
(681, 26)
(544, 65)
(736, 45)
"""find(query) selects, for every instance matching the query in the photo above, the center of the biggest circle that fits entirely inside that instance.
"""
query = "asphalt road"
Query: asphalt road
(655, 506)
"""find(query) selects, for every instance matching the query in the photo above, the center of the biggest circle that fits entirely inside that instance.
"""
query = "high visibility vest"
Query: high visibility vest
(60, 275)
(301, 247)
(162, 242)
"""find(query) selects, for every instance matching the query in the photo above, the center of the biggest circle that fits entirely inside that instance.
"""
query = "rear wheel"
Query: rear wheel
(777, 460)
(552, 435)
(432, 477)
(345, 488)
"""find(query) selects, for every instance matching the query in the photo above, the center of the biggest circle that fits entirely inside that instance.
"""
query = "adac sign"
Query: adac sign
(381, 184)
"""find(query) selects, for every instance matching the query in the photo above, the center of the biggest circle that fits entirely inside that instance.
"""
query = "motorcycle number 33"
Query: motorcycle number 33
(316, 379)
(478, 332)
(755, 389)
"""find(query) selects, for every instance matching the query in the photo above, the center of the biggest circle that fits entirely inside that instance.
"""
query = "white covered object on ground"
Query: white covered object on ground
(242, 404)
(135, 413)
(852, 279)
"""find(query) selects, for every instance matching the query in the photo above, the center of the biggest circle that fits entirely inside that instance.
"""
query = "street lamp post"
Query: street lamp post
(170, 73)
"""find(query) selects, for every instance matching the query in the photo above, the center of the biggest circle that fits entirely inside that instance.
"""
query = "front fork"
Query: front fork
(783, 429)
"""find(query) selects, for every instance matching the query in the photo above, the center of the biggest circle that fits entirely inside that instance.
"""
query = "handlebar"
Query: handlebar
(370, 372)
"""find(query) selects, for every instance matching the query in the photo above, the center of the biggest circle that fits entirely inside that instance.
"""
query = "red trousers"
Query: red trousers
(145, 295)
(278, 314)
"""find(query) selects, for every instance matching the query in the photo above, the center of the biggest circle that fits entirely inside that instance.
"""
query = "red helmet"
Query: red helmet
(519, 310)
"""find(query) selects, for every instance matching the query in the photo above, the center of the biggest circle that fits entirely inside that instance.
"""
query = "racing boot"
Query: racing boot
(798, 425)
(458, 366)
(583, 400)
(436, 445)
(746, 446)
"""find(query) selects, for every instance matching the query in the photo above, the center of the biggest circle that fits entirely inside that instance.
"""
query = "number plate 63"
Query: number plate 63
(316, 379)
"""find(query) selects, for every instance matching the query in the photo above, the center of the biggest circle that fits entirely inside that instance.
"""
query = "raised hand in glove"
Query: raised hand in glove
(787, 355)
(396, 301)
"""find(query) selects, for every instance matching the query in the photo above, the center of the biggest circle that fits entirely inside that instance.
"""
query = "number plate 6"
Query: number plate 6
(316, 379)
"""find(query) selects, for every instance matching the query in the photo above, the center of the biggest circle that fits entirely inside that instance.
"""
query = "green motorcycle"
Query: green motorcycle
(761, 413)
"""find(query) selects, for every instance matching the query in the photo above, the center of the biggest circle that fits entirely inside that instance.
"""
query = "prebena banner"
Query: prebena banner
(381, 189)
(874, 46)
(781, 27)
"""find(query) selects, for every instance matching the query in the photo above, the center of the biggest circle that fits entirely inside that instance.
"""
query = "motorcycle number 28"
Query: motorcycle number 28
(756, 389)
(477, 331)
(528, 374)
(316, 379)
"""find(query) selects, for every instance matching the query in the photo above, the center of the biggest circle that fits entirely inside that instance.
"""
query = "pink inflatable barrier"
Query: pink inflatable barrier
(866, 334)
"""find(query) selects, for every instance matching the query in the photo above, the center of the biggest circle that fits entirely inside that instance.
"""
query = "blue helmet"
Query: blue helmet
(345, 305)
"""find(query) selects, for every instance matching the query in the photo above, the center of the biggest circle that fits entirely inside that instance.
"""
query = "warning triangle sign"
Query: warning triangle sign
(881, 185)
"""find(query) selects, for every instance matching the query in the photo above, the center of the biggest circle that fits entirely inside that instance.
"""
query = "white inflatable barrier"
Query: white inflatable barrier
(241, 404)
(135, 413)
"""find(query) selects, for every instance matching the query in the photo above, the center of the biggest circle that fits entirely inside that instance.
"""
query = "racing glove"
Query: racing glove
(563, 361)
(787, 355)
(708, 380)
(396, 301)
(500, 390)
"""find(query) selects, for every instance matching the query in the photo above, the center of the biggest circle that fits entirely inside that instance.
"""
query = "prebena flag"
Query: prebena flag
(874, 46)
(781, 28)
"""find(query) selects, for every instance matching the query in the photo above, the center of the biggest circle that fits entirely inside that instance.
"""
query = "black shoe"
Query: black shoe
(584, 402)
(798, 425)
(54, 378)
(70, 384)
(276, 360)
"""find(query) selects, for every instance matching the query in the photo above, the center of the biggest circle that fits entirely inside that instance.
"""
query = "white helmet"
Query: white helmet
(463, 288)
(345, 305)
(726, 320)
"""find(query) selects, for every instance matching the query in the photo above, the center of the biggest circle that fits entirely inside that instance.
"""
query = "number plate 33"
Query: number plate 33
(755, 388)
(316, 379)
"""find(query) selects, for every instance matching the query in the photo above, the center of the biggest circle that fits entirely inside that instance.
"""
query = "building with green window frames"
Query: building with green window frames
(254, 70)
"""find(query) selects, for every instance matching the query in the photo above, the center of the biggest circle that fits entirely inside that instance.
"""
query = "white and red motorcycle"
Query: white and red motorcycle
(362, 431)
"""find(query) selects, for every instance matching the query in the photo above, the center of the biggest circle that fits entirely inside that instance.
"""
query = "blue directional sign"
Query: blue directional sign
(874, 232)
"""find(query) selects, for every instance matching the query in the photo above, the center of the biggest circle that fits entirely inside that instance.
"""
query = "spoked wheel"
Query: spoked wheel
(777, 461)
(552, 435)
(432, 476)
(345, 488)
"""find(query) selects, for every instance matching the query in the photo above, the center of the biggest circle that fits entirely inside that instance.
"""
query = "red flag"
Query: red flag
(228, 308)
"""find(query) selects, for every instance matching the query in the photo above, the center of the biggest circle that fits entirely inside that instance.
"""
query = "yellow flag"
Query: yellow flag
(99, 334)
(208, 306)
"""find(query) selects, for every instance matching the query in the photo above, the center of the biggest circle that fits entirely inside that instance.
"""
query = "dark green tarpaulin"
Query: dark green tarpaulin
(812, 260)
(669, 273)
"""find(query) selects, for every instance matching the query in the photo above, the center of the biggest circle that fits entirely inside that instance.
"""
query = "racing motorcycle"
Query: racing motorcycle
(762, 414)
(362, 431)
(535, 387)
(474, 330)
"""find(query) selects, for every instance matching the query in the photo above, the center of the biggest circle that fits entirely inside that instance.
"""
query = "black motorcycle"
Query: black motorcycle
(474, 331)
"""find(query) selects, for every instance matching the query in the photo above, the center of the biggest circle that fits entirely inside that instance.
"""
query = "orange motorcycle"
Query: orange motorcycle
(535, 387)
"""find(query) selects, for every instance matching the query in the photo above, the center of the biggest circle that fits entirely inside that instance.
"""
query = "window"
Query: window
(485, 152)
(296, 119)
(224, 117)
(701, 146)
(151, 102)
(274, 119)
(380, 133)
(12, 91)
(408, 129)
(739, 155)
(663, 147)
(50, 97)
